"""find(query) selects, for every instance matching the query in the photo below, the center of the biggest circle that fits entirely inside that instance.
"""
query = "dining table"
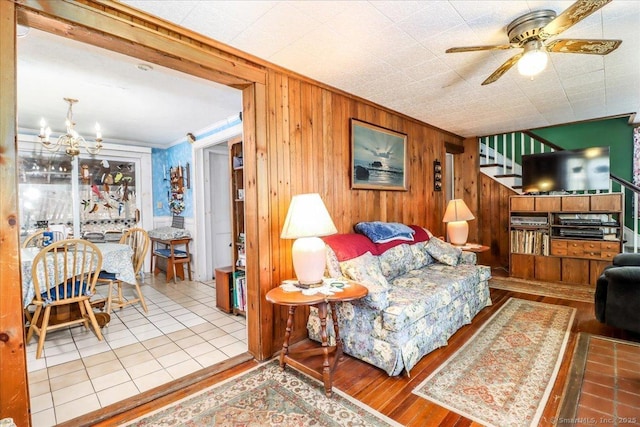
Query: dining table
(116, 259)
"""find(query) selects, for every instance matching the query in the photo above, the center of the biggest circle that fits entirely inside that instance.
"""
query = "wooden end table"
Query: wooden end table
(474, 247)
(321, 302)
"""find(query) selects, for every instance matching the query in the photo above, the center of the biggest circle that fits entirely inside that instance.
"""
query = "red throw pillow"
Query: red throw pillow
(349, 246)
(352, 245)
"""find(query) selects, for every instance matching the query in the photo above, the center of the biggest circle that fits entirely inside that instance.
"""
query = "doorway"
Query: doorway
(184, 319)
(107, 29)
(221, 218)
(212, 200)
(217, 218)
(450, 177)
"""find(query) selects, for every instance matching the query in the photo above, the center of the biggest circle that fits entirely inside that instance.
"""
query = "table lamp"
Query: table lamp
(456, 217)
(307, 220)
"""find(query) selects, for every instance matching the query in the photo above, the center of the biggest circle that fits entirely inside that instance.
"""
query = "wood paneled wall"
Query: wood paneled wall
(467, 172)
(494, 221)
(309, 149)
(297, 140)
(14, 394)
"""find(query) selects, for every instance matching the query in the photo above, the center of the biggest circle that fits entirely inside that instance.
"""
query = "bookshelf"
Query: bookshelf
(564, 238)
(238, 296)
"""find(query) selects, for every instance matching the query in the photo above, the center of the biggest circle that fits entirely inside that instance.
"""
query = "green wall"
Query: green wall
(615, 133)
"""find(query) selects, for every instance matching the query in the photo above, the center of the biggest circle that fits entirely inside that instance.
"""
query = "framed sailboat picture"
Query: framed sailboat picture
(378, 157)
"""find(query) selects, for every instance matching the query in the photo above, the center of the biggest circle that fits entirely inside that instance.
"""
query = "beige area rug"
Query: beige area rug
(503, 375)
(582, 293)
(266, 396)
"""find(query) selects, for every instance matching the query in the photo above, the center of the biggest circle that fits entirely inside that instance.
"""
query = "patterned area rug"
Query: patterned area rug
(503, 375)
(266, 396)
(582, 293)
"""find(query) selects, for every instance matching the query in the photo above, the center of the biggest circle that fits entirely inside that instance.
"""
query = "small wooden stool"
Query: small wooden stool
(175, 258)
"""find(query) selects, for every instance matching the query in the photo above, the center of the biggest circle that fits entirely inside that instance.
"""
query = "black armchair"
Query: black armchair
(617, 298)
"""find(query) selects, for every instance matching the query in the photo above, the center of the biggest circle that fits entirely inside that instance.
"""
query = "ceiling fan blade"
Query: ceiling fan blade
(571, 16)
(502, 69)
(478, 48)
(594, 47)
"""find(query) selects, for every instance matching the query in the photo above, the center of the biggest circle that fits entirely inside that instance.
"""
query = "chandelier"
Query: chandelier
(72, 140)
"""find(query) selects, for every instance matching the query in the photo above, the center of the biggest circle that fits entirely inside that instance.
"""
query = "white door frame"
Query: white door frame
(203, 248)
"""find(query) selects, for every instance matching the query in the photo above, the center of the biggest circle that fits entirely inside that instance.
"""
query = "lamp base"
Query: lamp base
(309, 260)
(458, 232)
(309, 285)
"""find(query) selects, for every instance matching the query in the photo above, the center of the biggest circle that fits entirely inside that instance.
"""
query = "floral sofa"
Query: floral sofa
(420, 293)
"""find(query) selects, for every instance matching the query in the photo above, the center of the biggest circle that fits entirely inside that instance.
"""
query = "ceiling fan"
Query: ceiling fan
(531, 31)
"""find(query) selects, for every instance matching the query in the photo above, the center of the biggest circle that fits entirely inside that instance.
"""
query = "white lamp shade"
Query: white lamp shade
(457, 210)
(307, 217)
(306, 220)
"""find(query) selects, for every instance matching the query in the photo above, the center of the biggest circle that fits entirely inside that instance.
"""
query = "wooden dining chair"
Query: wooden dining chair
(33, 240)
(138, 240)
(64, 274)
(36, 240)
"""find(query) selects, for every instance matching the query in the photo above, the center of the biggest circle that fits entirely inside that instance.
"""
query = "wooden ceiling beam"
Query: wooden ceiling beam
(154, 44)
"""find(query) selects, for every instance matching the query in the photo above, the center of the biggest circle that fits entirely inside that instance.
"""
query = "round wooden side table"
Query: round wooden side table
(295, 299)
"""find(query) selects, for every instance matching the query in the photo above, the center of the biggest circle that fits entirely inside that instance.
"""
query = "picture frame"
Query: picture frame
(378, 157)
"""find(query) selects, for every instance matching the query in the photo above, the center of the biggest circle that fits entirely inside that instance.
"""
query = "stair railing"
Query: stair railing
(630, 195)
(508, 148)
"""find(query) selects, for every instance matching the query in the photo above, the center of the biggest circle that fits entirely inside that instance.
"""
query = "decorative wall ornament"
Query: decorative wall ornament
(437, 175)
(178, 180)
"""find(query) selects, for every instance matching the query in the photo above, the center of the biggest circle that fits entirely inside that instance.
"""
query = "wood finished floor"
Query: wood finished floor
(393, 396)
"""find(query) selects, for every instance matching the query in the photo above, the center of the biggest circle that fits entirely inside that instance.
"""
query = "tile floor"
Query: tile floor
(182, 333)
(610, 392)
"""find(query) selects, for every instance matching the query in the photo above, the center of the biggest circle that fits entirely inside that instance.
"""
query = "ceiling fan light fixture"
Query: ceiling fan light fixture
(534, 60)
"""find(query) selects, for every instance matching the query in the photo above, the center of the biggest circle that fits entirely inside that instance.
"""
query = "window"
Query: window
(84, 194)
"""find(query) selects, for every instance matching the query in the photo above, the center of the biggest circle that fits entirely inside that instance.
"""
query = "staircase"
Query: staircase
(497, 162)
(500, 157)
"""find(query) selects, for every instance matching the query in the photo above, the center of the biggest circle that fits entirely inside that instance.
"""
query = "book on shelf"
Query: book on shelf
(239, 290)
(529, 242)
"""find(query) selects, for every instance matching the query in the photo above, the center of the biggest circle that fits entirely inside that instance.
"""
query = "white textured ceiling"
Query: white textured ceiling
(393, 53)
(155, 108)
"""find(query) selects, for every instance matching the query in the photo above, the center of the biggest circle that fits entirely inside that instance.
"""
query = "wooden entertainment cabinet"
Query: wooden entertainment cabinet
(564, 238)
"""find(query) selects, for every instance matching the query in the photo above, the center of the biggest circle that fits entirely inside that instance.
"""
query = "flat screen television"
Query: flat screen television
(566, 170)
